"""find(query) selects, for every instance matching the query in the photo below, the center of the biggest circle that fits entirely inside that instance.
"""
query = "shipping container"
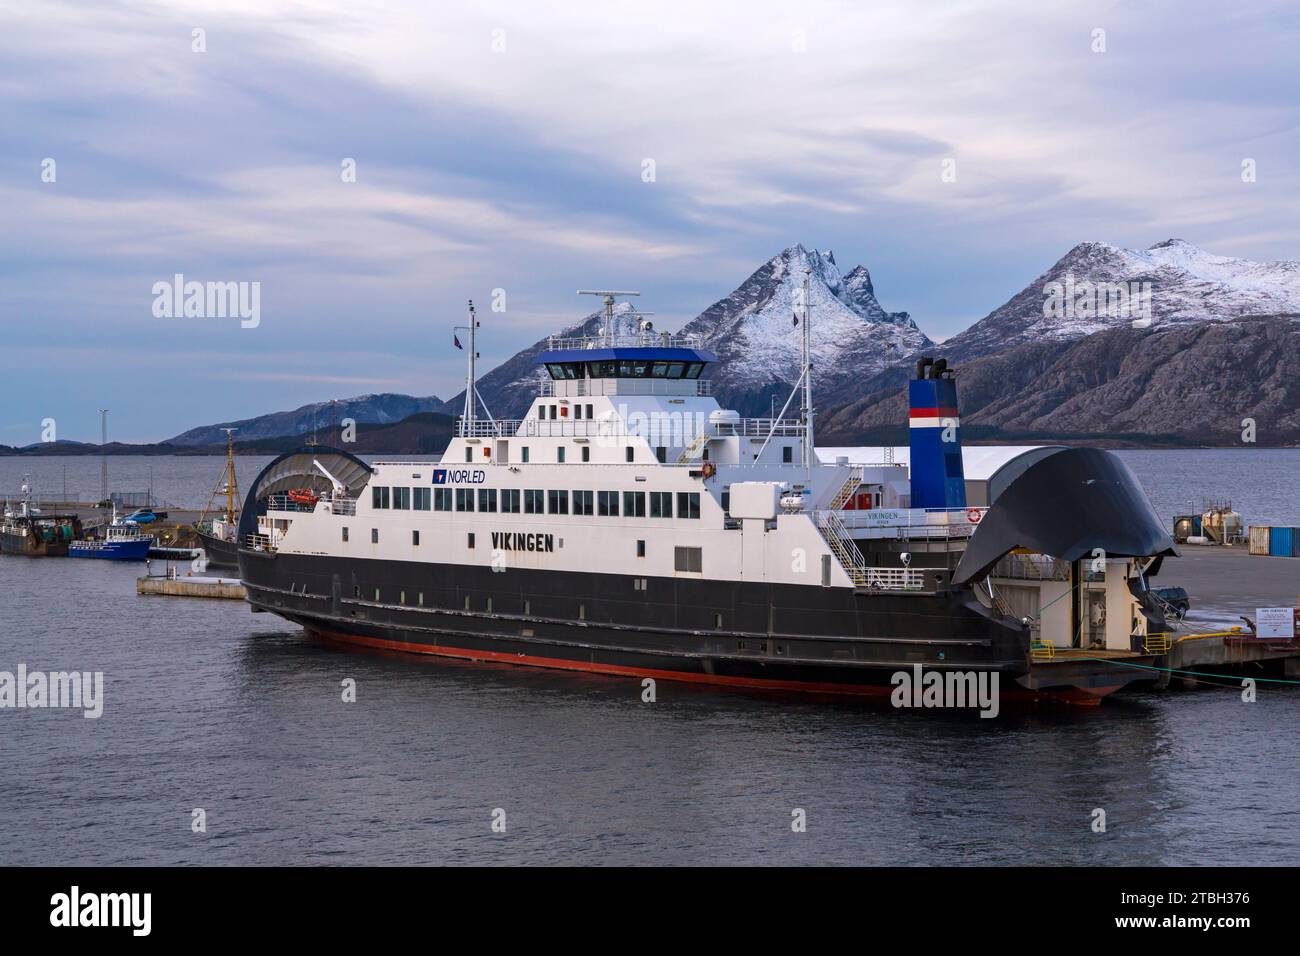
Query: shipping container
(1295, 542)
(1259, 539)
(1281, 542)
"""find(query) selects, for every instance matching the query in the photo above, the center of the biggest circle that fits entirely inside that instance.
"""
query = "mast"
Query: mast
(470, 377)
(230, 475)
(806, 400)
(103, 454)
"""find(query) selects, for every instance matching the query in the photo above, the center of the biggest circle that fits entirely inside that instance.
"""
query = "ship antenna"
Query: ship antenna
(609, 310)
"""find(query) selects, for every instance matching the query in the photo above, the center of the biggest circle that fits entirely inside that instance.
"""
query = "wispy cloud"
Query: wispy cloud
(504, 146)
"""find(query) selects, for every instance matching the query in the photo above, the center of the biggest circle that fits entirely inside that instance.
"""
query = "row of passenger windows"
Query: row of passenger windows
(558, 411)
(536, 501)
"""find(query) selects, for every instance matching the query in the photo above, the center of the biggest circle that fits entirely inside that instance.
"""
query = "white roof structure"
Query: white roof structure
(988, 468)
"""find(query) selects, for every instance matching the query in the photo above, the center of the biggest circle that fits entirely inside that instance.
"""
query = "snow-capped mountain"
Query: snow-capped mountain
(753, 332)
(1097, 286)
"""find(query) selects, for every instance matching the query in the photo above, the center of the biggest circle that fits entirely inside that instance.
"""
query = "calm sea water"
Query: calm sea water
(208, 706)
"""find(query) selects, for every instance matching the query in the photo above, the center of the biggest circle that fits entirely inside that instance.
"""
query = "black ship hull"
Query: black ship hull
(221, 553)
(31, 546)
(779, 637)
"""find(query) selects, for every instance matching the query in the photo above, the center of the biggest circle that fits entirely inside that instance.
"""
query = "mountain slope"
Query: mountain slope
(383, 409)
(1190, 382)
(1091, 289)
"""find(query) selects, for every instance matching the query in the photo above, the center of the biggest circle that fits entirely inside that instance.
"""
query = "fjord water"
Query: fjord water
(208, 706)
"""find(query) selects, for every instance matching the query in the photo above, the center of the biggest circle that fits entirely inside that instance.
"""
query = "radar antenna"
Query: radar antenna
(609, 297)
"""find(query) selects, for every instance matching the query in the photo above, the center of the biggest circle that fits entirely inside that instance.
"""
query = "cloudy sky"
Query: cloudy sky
(504, 146)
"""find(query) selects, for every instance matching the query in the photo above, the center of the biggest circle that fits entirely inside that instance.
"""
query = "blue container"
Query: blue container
(1281, 543)
(1295, 542)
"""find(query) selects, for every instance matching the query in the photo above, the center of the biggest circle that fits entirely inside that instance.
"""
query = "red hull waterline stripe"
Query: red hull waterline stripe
(1066, 694)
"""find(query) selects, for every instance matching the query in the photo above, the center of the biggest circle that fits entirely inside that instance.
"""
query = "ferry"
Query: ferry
(122, 541)
(629, 525)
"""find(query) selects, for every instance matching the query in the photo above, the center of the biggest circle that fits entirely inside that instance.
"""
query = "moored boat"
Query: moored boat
(27, 531)
(121, 541)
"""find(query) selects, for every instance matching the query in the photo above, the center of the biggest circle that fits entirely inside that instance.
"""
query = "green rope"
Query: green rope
(1175, 670)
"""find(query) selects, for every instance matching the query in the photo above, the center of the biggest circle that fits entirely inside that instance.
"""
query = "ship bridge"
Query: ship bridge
(642, 362)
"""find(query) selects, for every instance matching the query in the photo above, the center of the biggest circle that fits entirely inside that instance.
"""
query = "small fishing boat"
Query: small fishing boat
(27, 531)
(122, 541)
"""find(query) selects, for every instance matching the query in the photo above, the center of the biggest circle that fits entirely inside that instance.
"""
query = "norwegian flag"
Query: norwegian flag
(796, 318)
(456, 338)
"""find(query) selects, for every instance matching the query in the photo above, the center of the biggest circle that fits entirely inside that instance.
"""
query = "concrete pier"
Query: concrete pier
(231, 588)
(1226, 584)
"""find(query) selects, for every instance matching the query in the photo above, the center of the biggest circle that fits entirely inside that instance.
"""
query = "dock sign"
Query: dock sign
(1275, 622)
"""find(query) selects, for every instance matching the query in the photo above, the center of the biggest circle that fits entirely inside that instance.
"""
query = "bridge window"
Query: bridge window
(688, 504)
(487, 499)
(510, 500)
(379, 498)
(464, 499)
(422, 498)
(557, 502)
(661, 504)
(582, 502)
(607, 504)
(441, 499)
(402, 499)
(534, 501)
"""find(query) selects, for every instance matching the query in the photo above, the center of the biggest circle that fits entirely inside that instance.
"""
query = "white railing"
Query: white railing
(285, 503)
(1031, 567)
(908, 523)
(893, 579)
(645, 339)
(671, 431)
(584, 387)
(258, 542)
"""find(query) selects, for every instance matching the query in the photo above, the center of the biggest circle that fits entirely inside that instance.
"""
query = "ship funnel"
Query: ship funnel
(936, 474)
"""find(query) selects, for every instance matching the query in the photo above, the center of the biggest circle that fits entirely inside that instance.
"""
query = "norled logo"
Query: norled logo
(208, 300)
(946, 689)
(1095, 300)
